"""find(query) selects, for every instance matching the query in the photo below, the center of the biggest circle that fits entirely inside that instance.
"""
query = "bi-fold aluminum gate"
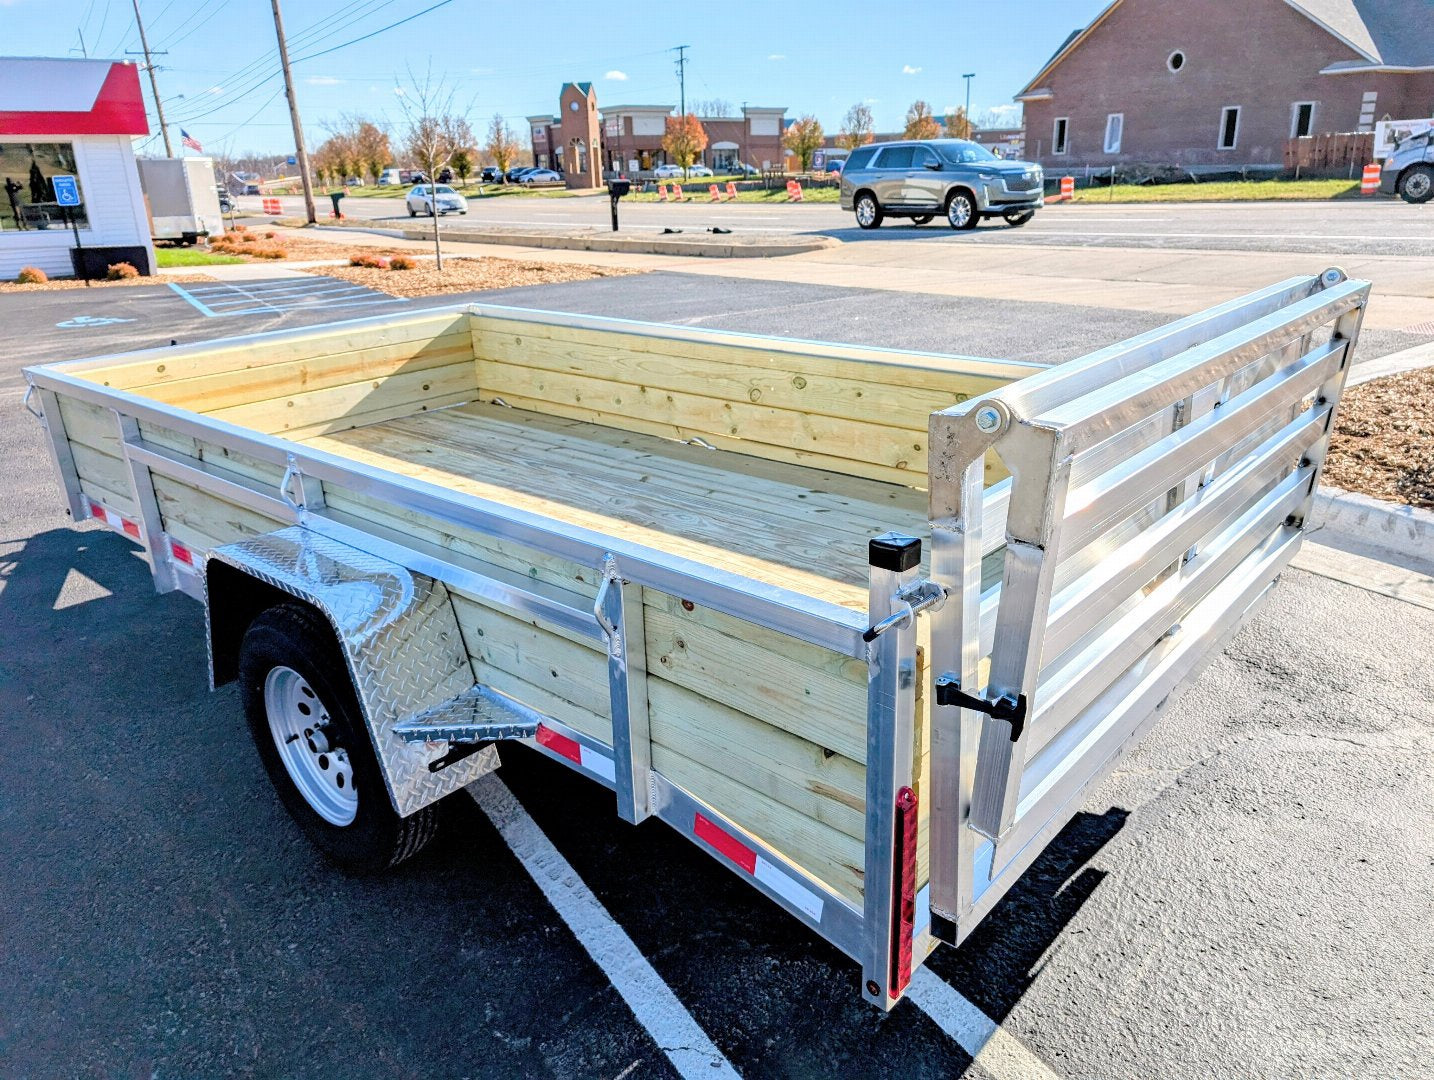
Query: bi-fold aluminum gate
(1157, 489)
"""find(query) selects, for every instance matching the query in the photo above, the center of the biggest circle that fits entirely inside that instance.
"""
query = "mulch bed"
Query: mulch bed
(75, 283)
(465, 274)
(1384, 439)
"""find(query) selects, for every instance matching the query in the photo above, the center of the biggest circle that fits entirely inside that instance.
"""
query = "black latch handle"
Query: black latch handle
(1013, 711)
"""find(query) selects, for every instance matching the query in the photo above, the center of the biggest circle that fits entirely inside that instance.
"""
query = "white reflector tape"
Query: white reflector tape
(594, 761)
(115, 521)
(803, 900)
(597, 763)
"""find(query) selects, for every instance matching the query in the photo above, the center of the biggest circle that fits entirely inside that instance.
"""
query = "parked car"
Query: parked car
(1409, 171)
(540, 176)
(959, 179)
(226, 202)
(516, 173)
(420, 200)
(668, 172)
(742, 168)
(835, 166)
(491, 174)
(699, 170)
(389, 177)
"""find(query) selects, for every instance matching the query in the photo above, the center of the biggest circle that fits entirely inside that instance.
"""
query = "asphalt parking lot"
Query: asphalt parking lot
(1252, 894)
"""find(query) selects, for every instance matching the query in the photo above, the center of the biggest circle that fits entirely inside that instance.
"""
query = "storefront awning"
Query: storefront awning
(70, 97)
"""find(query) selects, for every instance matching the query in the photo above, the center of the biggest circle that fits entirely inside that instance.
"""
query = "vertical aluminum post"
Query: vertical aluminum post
(890, 727)
(161, 566)
(619, 612)
(61, 459)
(1346, 329)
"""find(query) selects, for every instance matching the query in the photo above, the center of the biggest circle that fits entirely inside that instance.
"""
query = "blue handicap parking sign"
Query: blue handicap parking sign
(67, 190)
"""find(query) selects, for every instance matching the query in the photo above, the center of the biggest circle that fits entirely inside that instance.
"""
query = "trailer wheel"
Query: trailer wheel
(1417, 184)
(306, 724)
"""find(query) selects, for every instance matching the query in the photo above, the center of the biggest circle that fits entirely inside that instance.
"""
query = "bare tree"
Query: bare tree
(502, 145)
(856, 127)
(435, 131)
(713, 108)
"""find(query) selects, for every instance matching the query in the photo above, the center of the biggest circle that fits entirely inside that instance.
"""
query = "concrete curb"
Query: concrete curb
(1395, 527)
(1396, 363)
(634, 245)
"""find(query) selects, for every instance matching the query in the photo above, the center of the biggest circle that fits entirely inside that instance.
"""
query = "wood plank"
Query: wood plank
(761, 429)
(90, 425)
(159, 366)
(224, 390)
(804, 387)
(714, 508)
(339, 407)
(109, 474)
(795, 772)
(182, 505)
(862, 363)
(824, 852)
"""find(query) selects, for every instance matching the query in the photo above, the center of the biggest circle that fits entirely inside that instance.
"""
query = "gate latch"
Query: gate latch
(1011, 710)
(911, 600)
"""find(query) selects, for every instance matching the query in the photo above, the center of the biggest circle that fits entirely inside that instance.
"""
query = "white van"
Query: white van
(389, 176)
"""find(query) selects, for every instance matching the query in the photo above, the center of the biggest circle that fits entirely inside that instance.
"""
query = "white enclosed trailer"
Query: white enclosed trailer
(863, 625)
(183, 198)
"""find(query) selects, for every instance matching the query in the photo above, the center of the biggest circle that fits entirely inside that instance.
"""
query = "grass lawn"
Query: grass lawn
(169, 257)
(1220, 191)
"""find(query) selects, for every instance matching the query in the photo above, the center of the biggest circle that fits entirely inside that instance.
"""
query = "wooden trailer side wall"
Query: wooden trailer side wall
(804, 405)
(312, 383)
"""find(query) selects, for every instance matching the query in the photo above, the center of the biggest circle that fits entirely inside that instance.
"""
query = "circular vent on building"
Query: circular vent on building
(1175, 61)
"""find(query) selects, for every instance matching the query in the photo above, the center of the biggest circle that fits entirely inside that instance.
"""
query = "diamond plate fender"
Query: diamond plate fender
(397, 631)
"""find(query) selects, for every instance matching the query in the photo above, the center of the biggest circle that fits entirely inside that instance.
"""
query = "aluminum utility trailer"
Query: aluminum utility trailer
(1153, 492)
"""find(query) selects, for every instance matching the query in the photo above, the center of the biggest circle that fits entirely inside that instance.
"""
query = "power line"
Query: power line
(380, 30)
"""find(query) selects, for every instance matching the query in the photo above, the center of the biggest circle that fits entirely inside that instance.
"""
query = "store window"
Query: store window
(29, 194)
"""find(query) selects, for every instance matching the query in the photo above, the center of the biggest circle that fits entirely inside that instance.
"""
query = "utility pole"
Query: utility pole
(153, 82)
(681, 52)
(970, 127)
(300, 152)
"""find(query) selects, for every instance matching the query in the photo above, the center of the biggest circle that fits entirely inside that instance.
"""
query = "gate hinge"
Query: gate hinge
(911, 600)
(1011, 710)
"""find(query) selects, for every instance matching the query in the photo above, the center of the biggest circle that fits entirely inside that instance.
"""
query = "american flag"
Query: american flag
(190, 141)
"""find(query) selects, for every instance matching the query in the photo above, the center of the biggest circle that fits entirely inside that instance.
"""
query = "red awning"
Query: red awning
(40, 96)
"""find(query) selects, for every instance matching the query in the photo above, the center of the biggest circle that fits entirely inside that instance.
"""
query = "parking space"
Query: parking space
(1250, 895)
(225, 300)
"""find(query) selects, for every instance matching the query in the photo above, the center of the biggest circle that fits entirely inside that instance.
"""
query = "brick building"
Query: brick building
(1213, 84)
(628, 138)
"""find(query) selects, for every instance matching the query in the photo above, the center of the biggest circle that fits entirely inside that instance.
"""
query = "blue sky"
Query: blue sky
(813, 56)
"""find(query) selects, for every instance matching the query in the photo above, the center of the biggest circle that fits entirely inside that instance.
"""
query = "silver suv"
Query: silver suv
(959, 179)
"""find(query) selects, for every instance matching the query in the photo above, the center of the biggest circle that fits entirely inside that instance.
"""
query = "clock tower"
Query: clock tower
(582, 136)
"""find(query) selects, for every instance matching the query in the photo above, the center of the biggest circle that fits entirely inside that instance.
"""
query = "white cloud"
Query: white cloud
(777, 56)
(616, 76)
(1010, 113)
(323, 80)
(870, 101)
(907, 69)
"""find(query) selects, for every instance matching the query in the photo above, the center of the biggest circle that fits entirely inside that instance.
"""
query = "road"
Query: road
(1249, 895)
(1379, 227)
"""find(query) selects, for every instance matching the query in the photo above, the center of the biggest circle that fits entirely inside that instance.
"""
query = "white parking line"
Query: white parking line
(990, 1045)
(651, 1000)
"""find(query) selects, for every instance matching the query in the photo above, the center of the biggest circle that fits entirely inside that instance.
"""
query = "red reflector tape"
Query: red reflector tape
(726, 843)
(182, 553)
(903, 915)
(96, 510)
(559, 744)
(130, 528)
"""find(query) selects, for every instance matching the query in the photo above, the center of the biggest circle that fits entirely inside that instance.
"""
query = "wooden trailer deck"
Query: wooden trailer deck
(785, 525)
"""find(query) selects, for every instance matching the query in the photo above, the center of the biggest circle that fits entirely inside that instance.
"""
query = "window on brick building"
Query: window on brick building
(1302, 119)
(1175, 61)
(1059, 131)
(1229, 127)
(1114, 132)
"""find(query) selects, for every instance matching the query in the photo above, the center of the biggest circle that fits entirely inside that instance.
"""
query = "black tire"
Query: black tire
(377, 839)
(867, 206)
(922, 219)
(1417, 184)
(955, 202)
(412, 212)
(1018, 218)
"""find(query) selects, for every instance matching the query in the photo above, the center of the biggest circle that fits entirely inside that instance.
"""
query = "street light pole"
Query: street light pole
(300, 152)
(970, 128)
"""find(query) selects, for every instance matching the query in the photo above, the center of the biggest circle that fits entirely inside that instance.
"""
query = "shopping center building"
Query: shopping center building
(587, 143)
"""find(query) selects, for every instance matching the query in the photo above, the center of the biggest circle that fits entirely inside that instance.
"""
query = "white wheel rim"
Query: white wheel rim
(865, 211)
(959, 212)
(1418, 185)
(299, 723)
